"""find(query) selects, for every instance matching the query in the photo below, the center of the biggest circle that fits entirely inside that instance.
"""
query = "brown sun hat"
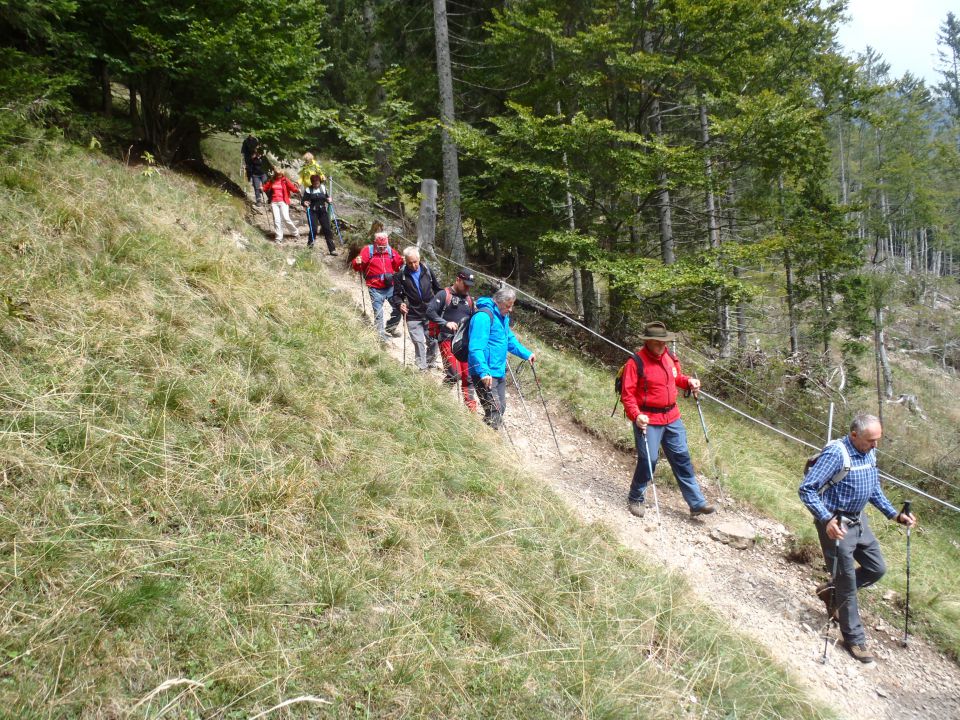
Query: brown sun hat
(657, 331)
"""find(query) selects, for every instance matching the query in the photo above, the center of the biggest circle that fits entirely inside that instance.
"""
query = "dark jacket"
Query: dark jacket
(442, 310)
(256, 166)
(404, 291)
(317, 199)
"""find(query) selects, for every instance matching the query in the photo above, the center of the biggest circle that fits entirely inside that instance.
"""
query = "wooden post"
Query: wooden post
(427, 222)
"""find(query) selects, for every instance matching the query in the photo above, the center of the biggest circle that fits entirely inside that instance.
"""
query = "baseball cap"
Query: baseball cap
(466, 276)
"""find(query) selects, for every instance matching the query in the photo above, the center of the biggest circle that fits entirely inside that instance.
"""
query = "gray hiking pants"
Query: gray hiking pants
(858, 547)
(425, 347)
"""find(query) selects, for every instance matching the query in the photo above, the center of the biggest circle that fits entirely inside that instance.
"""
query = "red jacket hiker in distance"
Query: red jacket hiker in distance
(657, 391)
(280, 188)
(384, 261)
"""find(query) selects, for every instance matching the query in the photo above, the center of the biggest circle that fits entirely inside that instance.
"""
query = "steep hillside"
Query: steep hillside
(217, 495)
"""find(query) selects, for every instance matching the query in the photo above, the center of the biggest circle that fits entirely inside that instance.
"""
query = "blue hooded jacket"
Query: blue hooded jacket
(490, 340)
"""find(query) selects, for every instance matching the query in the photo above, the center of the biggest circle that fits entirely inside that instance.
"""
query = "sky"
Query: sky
(903, 31)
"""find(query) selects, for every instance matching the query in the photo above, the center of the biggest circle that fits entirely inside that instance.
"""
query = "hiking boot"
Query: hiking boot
(707, 509)
(824, 591)
(859, 652)
(637, 508)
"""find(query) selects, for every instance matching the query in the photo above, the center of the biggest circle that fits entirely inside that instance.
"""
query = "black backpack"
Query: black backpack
(618, 381)
(460, 345)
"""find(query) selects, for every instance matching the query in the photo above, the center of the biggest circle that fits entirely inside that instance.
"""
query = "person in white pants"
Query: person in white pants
(280, 188)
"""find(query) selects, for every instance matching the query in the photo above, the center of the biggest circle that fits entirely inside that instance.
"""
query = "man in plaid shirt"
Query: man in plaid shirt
(836, 490)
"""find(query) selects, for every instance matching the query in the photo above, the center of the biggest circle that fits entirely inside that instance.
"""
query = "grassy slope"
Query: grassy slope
(208, 471)
(762, 470)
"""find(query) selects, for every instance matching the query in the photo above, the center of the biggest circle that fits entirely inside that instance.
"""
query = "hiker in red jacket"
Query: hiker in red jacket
(377, 263)
(279, 188)
(650, 402)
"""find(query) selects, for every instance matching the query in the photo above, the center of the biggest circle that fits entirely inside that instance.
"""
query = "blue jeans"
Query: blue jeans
(377, 298)
(673, 439)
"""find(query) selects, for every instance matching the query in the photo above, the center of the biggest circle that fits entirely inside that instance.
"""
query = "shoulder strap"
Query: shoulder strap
(844, 468)
(639, 363)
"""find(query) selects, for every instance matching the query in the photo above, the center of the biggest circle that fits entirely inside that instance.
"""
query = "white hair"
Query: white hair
(504, 295)
(411, 253)
(861, 421)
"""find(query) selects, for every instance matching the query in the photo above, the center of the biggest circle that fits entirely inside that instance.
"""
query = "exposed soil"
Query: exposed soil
(757, 590)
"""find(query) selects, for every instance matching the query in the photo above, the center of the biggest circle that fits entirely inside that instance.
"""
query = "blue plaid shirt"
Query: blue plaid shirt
(850, 495)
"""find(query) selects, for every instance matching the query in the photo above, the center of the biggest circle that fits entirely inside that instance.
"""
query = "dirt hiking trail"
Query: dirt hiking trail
(755, 589)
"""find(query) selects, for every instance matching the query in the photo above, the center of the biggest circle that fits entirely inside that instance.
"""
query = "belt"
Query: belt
(651, 409)
(849, 519)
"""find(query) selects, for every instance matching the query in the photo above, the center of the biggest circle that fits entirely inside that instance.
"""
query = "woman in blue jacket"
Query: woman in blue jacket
(490, 340)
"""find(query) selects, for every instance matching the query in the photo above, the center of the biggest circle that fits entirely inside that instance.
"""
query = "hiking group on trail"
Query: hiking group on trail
(473, 339)
(279, 189)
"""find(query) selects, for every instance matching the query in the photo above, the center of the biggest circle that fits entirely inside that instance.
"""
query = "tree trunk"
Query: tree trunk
(713, 223)
(824, 312)
(453, 231)
(883, 361)
(571, 220)
(667, 251)
(791, 304)
(591, 315)
(788, 271)
(884, 358)
(741, 309)
(381, 153)
(427, 220)
(132, 111)
(713, 230)
(844, 189)
(106, 92)
(741, 319)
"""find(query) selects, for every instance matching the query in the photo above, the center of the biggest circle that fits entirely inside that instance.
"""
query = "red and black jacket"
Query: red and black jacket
(655, 393)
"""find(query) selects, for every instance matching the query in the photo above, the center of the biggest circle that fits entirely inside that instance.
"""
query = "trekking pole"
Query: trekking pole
(336, 222)
(404, 340)
(310, 225)
(656, 501)
(517, 386)
(503, 422)
(333, 213)
(549, 421)
(520, 367)
(833, 595)
(363, 294)
(710, 449)
(906, 610)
